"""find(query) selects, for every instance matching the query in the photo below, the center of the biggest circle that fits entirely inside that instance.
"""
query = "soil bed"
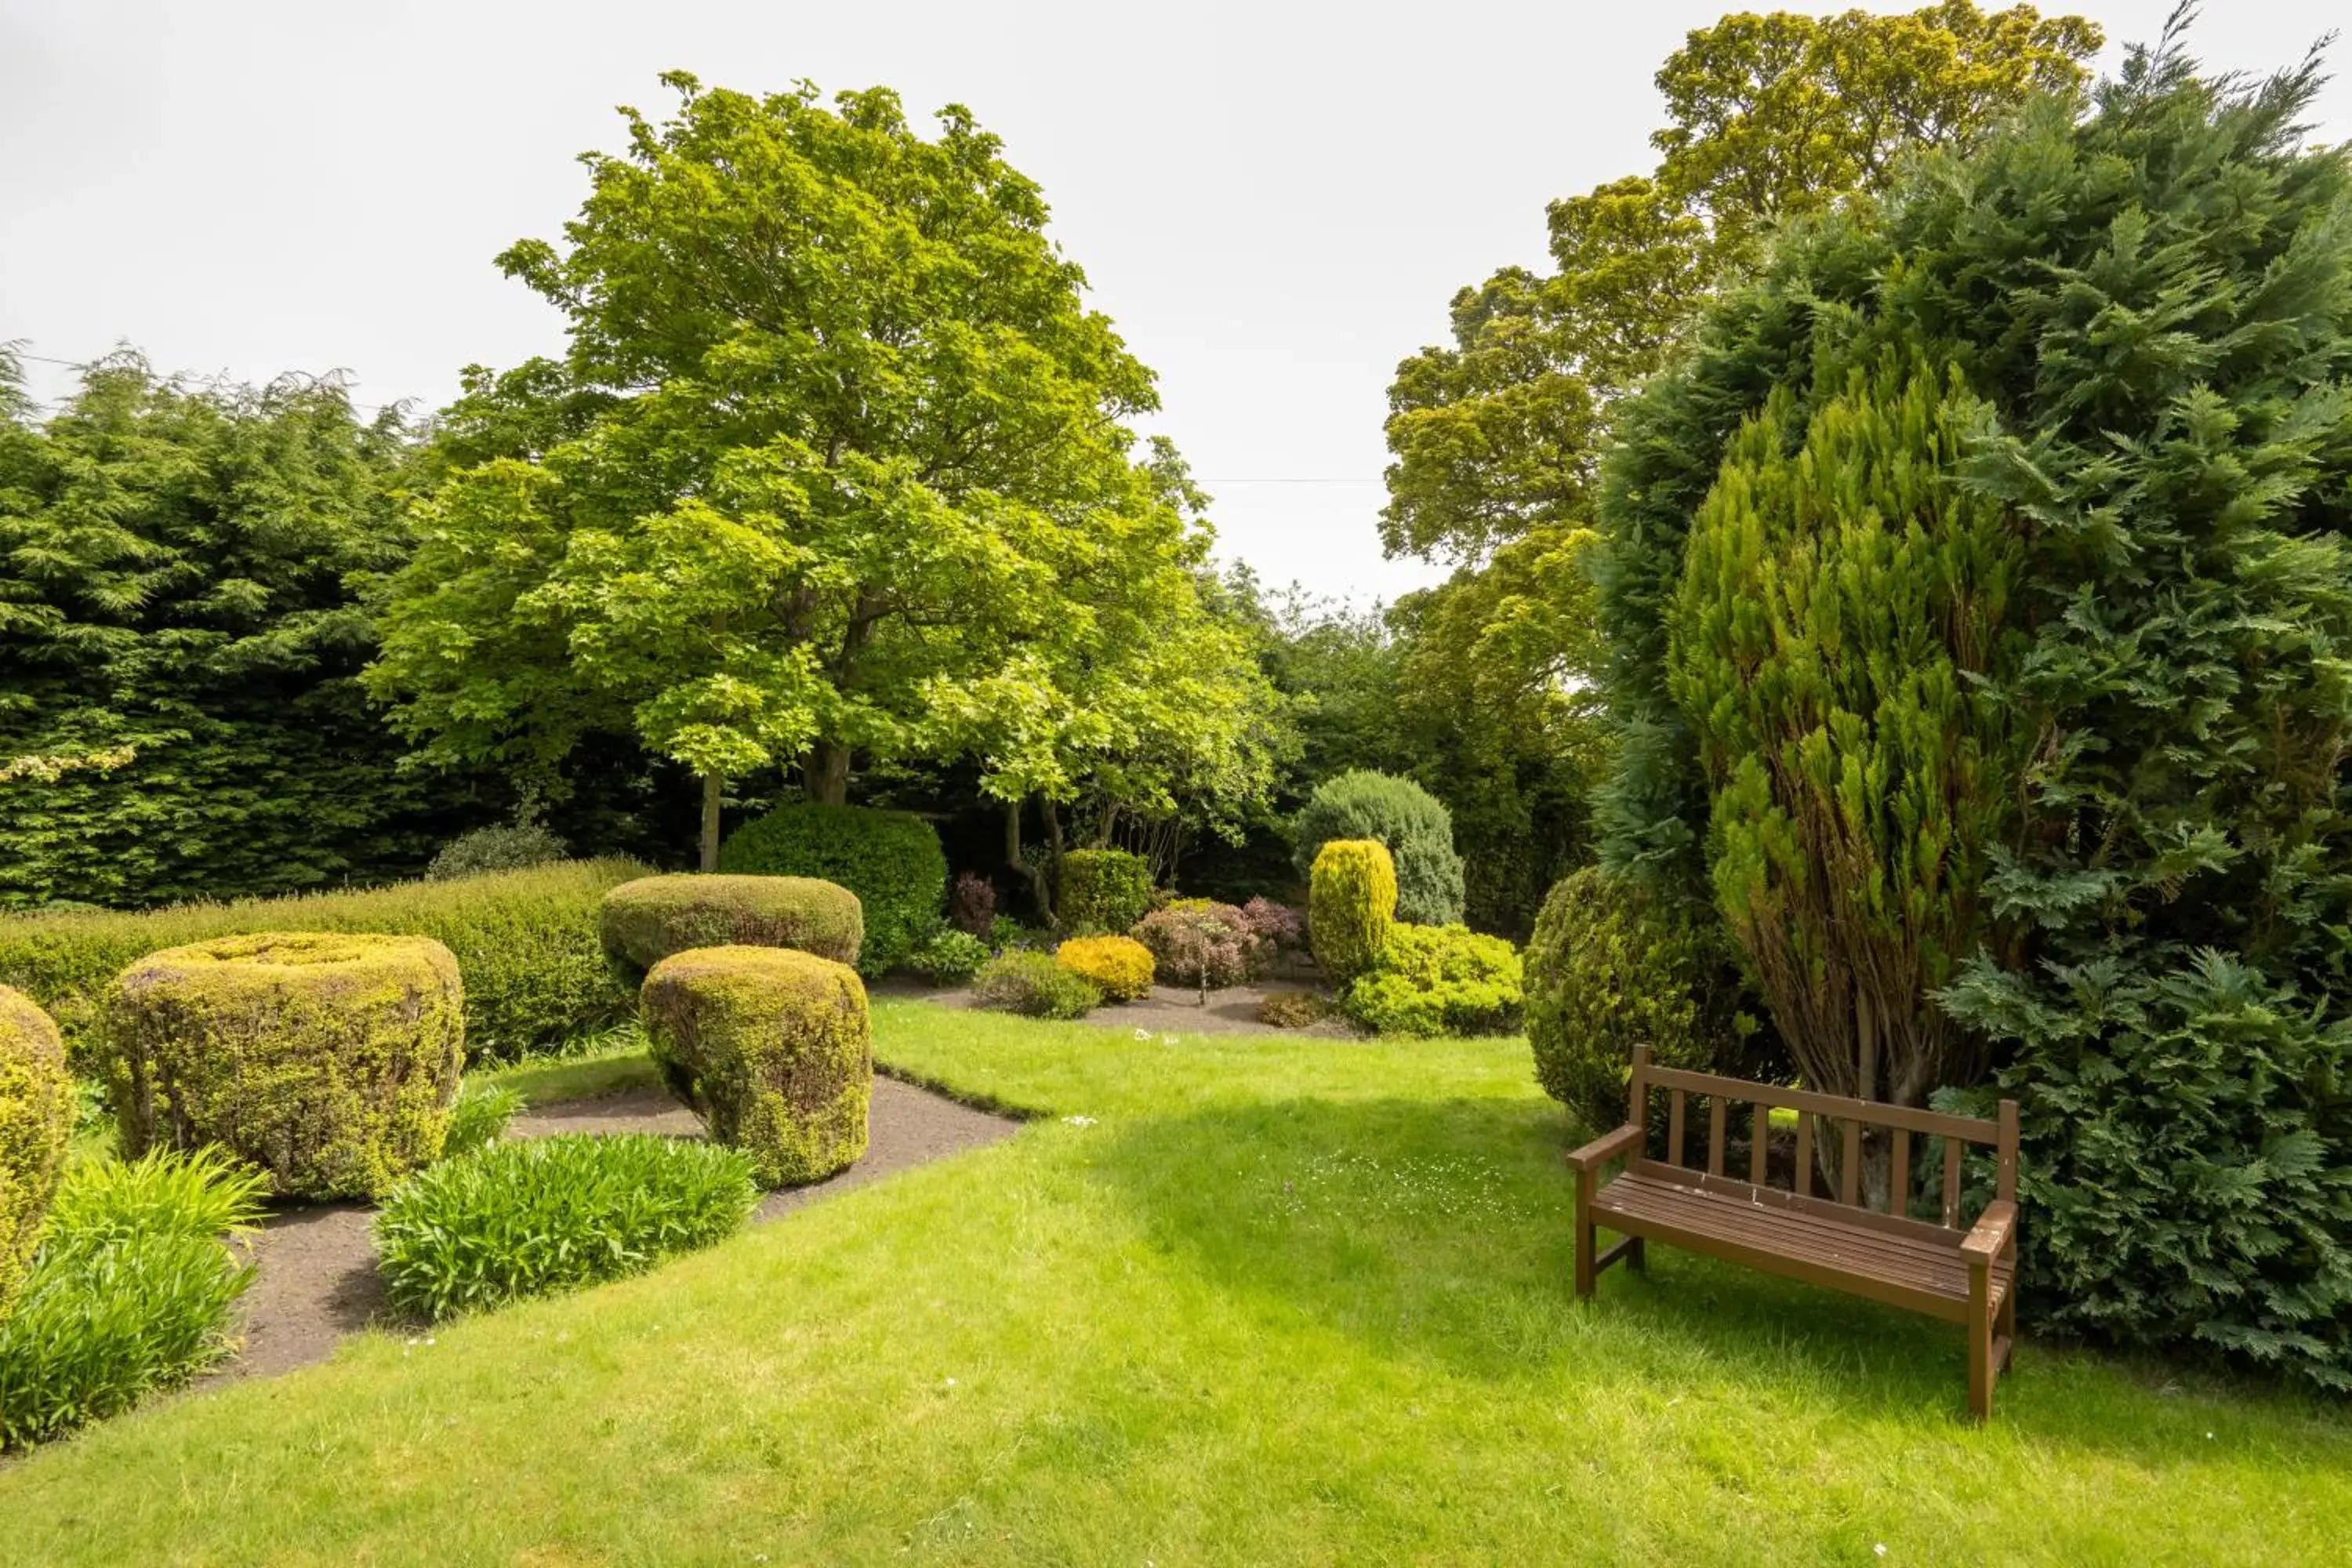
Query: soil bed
(1174, 1009)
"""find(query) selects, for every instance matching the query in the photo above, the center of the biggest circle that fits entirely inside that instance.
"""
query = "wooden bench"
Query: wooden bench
(1962, 1276)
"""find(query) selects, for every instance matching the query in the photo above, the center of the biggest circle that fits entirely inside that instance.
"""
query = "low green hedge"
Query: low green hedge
(526, 944)
(1439, 980)
(1104, 891)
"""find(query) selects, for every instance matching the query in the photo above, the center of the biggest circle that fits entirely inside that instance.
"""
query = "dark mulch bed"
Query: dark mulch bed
(317, 1278)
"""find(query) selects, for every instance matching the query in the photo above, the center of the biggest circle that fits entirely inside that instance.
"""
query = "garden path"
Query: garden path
(317, 1281)
(1175, 1009)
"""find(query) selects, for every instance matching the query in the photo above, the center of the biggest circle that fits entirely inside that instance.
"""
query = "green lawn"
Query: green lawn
(1280, 1300)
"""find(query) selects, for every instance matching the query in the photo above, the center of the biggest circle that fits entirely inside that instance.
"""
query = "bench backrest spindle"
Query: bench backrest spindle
(1715, 1108)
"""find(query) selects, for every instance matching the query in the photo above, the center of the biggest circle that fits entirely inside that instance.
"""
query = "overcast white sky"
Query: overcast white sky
(1273, 202)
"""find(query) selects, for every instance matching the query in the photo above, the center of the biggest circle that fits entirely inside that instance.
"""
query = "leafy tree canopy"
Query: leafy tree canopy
(834, 468)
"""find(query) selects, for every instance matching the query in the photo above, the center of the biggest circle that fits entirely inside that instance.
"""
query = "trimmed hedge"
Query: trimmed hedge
(1103, 890)
(649, 919)
(539, 1215)
(1439, 980)
(526, 944)
(37, 1117)
(1613, 965)
(328, 1060)
(773, 1049)
(1118, 966)
(890, 859)
(1351, 902)
(1417, 829)
(1033, 982)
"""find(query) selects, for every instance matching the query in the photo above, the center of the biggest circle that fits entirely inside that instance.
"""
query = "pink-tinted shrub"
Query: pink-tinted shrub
(1197, 942)
(1280, 929)
(972, 906)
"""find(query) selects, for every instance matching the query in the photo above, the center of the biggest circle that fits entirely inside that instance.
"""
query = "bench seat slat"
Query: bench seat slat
(1928, 1277)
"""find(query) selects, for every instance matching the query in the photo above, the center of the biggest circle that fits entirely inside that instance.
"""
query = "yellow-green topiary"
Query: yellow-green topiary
(649, 919)
(328, 1060)
(773, 1049)
(37, 1117)
(1119, 966)
(1351, 900)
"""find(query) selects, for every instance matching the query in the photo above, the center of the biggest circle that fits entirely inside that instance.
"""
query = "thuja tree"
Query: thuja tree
(837, 462)
(182, 571)
(1842, 624)
(2151, 294)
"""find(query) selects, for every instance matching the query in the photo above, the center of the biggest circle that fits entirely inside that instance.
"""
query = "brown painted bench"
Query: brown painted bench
(1962, 1276)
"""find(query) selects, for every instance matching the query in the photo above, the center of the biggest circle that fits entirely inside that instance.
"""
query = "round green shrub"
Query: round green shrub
(1439, 980)
(37, 1117)
(646, 920)
(771, 1048)
(1034, 983)
(890, 859)
(1417, 829)
(515, 847)
(329, 1060)
(1351, 902)
(1613, 965)
(1104, 891)
(948, 956)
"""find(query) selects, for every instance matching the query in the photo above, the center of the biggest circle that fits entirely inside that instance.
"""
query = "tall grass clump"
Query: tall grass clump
(526, 942)
(130, 1293)
(534, 1218)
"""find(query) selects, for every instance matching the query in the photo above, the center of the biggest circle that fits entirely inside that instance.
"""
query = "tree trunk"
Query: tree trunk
(711, 786)
(1053, 872)
(825, 773)
(1040, 888)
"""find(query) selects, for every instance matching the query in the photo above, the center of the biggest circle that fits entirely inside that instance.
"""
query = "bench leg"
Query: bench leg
(1587, 1241)
(1981, 1370)
(1637, 1256)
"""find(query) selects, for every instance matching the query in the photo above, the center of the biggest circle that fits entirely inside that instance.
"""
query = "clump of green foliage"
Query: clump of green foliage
(1033, 982)
(130, 1293)
(646, 920)
(773, 1049)
(1400, 814)
(947, 956)
(479, 1118)
(539, 1215)
(1103, 890)
(1614, 964)
(38, 1106)
(1351, 900)
(890, 859)
(329, 1060)
(514, 848)
(1439, 980)
(526, 943)
(2167, 872)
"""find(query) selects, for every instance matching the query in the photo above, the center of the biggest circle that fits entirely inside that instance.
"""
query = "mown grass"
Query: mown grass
(1269, 1300)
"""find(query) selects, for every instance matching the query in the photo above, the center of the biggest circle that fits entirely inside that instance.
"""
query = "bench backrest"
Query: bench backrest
(1857, 1123)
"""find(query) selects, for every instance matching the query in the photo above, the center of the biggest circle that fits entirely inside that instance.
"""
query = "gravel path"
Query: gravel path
(316, 1280)
(1174, 1008)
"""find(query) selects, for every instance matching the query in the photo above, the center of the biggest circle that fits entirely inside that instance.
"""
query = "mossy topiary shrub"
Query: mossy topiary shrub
(329, 1060)
(37, 1117)
(1118, 966)
(1103, 890)
(1351, 900)
(890, 859)
(773, 1049)
(646, 920)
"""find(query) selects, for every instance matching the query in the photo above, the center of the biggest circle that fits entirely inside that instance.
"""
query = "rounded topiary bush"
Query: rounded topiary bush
(1415, 827)
(36, 1116)
(1034, 983)
(646, 920)
(329, 1060)
(773, 1049)
(1119, 966)
(1613, 965)
(1104, 890)
(890, 859)
(1439, 980)
(1351, 905)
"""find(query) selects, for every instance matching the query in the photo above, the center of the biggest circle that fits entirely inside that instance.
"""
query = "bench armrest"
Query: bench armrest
(1607, 1147)
(1992, 1233)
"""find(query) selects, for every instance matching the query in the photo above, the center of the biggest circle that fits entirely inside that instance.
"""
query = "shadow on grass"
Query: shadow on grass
(1440, 1230)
